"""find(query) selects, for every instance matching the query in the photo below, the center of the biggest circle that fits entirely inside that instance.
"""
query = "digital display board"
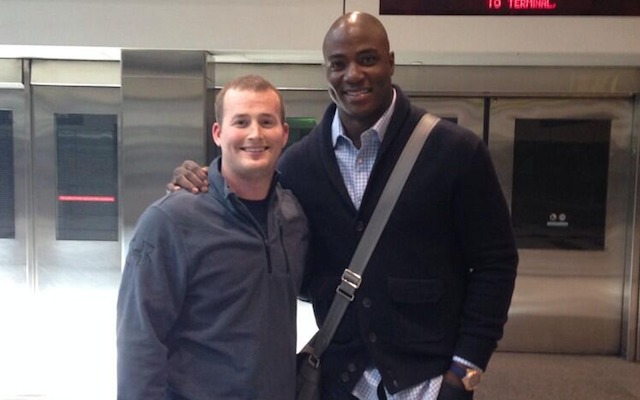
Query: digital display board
(511, 7)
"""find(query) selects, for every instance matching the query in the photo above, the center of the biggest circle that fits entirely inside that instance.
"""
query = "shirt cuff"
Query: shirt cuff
(466, 363)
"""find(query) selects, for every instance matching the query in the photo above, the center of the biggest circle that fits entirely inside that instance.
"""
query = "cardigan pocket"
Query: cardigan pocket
(416, 309)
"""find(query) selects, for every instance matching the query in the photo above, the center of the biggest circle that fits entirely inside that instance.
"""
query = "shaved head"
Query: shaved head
(353, 22)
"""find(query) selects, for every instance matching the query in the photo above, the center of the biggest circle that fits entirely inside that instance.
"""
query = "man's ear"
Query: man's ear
(392, 60)
(285, 134)
(215, 133)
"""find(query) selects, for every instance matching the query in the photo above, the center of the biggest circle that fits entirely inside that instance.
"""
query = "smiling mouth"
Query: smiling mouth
(255, 149)
(356, 93)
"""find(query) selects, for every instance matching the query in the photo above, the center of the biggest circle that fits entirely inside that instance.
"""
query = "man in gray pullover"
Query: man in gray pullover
(207, 302)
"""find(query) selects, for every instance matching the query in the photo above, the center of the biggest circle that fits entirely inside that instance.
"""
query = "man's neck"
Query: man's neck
(254, 190)
(354, 129)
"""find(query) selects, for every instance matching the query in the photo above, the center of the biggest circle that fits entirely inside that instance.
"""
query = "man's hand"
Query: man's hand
(190, 176)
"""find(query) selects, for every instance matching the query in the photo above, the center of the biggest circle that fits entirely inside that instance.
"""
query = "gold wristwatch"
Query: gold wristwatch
(470, 376)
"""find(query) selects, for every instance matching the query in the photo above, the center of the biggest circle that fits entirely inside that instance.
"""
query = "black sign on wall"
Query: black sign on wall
(560, 179)
(87, 177)
(511, 7)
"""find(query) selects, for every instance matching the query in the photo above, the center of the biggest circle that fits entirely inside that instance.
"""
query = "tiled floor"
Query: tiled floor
(523, 376)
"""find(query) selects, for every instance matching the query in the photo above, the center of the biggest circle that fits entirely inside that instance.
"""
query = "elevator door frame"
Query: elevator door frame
(571, 301)
(14, 251)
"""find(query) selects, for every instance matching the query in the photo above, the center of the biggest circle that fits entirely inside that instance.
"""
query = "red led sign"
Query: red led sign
(511, 7)
(90, 199)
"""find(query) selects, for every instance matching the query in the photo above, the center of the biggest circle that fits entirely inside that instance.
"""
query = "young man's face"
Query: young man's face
(251, 136)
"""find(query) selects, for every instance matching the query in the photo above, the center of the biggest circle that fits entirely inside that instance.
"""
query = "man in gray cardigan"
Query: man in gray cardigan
(207, 303)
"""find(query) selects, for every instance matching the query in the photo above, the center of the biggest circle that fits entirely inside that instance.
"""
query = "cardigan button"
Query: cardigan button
(344, 377)
(352, 367)
(372, 337)
(366, 302)
(359, 226)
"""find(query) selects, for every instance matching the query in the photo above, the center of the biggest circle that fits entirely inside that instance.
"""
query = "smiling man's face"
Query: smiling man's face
(359, 69)
(251, 136)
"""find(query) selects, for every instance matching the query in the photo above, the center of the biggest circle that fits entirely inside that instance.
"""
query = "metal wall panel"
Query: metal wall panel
(11, 74)
(75, 73)
(163, 123)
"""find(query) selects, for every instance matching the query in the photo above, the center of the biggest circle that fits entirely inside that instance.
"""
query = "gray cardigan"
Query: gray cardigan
(207, 303)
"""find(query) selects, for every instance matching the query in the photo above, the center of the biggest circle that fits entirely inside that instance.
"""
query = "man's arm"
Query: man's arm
(150, 297)
(189, 176)
(485, 230)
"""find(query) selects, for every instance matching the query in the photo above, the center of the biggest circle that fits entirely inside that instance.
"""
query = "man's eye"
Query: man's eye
(368, 60)
(335, 65)
(268, 122)
(240, 123)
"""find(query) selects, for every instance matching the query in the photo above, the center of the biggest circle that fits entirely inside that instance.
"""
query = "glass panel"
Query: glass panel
(7, 209)
(87, 177)
(560, 174)
(299, 127)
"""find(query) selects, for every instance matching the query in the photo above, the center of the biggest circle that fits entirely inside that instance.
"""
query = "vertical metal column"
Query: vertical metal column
(163, 123)
(28, 201)
(632, 280)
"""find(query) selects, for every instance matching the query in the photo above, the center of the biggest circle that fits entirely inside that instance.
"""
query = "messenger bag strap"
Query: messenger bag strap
(352, 276)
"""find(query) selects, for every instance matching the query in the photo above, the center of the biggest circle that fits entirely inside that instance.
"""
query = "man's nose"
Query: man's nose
(255, 130)
(353, 71)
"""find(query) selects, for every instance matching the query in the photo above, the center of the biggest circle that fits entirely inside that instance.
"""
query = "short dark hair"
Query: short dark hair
(253, 83)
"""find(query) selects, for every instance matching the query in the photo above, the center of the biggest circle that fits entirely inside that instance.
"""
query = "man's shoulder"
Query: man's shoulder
(180, 205)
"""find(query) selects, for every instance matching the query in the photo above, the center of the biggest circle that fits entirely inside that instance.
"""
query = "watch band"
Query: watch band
(458, 369)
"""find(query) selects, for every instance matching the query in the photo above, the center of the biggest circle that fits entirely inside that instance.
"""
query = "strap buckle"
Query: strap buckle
(350, 282)
(314, 361)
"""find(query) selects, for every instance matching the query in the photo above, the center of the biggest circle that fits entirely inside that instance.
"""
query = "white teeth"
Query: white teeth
(254, 149)
(357, 92)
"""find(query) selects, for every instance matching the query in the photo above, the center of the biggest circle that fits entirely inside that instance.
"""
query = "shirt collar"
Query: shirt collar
(380, 127)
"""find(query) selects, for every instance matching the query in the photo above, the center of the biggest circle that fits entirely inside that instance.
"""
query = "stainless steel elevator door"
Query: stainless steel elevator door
(77, 251)
(565, 168)
(75, 188)
(59, 250)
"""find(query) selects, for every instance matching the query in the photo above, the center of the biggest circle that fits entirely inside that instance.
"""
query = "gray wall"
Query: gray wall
(293, 30)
